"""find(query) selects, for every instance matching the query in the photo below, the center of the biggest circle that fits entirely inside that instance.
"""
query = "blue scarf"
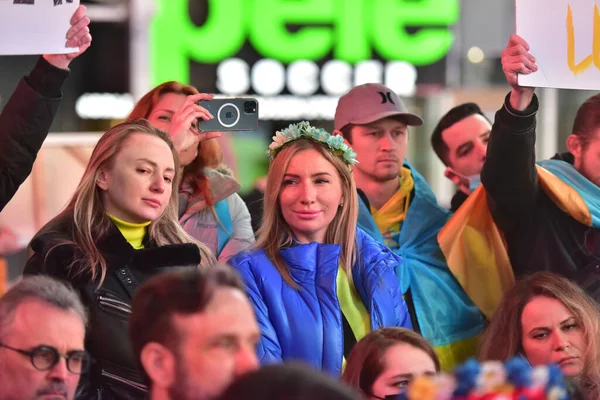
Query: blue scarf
(475, 247)
(588, 191)
(445, 313)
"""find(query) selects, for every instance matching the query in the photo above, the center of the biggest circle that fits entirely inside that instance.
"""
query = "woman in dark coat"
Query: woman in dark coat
(119, 229)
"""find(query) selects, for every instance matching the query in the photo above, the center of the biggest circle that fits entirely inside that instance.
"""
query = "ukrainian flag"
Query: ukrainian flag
(475, 248)
(447, 317)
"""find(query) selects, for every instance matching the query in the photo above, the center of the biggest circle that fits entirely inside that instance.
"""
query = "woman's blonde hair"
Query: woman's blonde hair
(209, 151)
(275, 234)
(86, 214)
(502, 339)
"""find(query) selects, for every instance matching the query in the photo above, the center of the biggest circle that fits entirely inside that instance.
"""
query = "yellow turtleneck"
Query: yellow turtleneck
(133, 233)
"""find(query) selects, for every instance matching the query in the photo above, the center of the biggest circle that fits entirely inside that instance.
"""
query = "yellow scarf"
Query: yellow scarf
(352, 307)
(391, 215)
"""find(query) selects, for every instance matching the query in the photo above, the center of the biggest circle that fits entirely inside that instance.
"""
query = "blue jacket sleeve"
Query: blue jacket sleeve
(268, 349)
(404, 316)
(385, 280)
(402, 312)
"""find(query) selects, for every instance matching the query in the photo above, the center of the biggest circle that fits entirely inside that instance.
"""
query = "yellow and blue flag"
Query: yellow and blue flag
(475, 247)
(447, 317)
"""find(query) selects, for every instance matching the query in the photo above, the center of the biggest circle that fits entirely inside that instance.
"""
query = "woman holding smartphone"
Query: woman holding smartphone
(210, 209)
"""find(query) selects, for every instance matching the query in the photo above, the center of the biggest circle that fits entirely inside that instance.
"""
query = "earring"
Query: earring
(341, 205)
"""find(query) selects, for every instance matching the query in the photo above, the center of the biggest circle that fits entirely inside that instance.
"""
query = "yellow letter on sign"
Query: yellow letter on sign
(596, 41)
(582, 66)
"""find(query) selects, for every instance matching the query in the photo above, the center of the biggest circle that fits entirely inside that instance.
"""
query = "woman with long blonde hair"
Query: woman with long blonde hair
(318, 284)
(210, 210)
(548, 319)
(119, 228)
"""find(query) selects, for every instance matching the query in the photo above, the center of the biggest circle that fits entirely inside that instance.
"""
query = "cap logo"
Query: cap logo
(385, 97)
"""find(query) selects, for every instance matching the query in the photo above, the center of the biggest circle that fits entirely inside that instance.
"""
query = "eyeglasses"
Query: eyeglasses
(44, 358)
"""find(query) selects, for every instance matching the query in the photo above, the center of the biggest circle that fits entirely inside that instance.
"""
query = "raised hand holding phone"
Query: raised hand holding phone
(184, 124)
(232, 114)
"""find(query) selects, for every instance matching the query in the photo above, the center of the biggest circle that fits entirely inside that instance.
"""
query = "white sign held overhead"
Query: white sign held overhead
(35, 26)
(564, 37)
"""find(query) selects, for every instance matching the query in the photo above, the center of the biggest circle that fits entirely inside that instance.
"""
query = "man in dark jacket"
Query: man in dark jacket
(460, 141)
(28, 114)
(544, 228)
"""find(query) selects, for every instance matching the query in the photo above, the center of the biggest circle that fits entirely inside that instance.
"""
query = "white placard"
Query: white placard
(35, 26)
(560, 34)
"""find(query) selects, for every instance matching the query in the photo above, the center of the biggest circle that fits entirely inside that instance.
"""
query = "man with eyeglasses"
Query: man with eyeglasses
(42, 330)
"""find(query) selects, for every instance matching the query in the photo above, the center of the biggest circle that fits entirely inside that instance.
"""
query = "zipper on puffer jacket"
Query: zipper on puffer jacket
(113, 303)
(125, 381)
(378, 318)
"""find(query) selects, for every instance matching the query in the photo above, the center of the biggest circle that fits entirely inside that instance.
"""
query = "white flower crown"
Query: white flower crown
(306, 130)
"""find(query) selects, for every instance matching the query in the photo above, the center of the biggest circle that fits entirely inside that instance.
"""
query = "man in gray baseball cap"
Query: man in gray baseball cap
(374, 120)
(369, 103)
(398, 208)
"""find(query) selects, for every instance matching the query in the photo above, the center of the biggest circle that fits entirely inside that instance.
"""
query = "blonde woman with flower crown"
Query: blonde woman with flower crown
(318, 283)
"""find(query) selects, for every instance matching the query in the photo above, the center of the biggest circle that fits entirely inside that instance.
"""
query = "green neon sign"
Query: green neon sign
(351, 29)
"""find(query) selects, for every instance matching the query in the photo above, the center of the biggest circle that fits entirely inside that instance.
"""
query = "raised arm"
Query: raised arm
(28, 114)
(509, 175)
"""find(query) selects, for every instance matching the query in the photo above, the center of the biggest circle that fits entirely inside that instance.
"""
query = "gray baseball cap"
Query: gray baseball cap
(371, 102)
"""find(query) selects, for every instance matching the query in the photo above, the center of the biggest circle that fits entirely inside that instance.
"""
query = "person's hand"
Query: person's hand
(77, 36)
(516, 59)
(184, 124)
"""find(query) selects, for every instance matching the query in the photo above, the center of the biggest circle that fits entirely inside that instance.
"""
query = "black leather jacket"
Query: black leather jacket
(25, 122)
(540, 236)
(114, 373)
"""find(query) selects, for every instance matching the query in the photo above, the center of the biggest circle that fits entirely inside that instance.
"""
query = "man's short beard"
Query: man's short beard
(183, 388)
(180, 389)
(381, 178)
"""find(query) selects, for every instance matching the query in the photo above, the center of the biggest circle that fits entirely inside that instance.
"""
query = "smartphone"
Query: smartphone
(234, 114)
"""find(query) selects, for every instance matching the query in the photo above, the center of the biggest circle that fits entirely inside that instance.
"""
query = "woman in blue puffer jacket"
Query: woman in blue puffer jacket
(318, 283)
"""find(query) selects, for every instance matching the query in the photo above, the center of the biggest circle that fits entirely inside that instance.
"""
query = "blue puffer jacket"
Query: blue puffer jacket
(306, 324)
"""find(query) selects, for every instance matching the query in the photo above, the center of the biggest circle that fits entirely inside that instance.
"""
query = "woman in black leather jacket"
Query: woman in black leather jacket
(119, 229)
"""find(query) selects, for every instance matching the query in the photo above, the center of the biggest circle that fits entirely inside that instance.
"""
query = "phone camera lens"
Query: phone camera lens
(250, 107)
